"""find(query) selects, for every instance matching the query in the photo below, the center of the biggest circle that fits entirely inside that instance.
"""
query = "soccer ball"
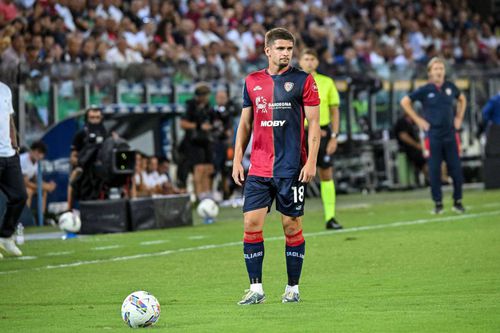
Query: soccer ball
(70, 222)
(207, 208)
(140, 309)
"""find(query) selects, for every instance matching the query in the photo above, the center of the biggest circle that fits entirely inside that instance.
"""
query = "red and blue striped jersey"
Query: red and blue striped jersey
(279, 142)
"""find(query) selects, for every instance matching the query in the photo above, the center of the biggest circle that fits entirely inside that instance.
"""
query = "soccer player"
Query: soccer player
(329, 122)
(276, 101)
(440, 122)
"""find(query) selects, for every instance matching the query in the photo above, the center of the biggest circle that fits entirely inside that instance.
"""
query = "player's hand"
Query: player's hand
(458, 123)
(423, 124)
(238, 173)
(331, 147)
(307, 173)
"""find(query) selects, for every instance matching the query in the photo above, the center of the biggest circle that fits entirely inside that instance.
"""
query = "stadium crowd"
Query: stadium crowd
(211, 39)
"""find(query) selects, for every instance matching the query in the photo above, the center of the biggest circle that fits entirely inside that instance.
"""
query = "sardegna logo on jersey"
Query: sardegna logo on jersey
(261, 104)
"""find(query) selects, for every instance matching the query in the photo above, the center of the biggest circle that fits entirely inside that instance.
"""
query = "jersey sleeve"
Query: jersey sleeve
(310, 94)
(333, 96)
(247, 102)
(417, 95)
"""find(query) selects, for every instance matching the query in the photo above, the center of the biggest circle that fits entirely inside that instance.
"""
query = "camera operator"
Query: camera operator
(84, 149)
(197, 145)
(222, 116)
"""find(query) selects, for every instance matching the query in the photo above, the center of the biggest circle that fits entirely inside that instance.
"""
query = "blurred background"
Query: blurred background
(140, 62)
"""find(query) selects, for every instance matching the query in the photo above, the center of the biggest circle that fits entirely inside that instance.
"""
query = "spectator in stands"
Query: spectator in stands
(121, 55)
(107, 9)
(203, 35)
(29, 166)
(222, 117)
(151, 178)
(197, 143)
(12, 57)
(139, 188)
(74, 48)
(8, 12)
(168, 186)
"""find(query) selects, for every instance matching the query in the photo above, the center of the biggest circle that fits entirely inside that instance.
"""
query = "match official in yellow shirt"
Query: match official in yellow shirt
(329, 122)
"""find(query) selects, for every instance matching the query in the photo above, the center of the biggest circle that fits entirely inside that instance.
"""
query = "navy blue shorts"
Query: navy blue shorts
(260, 192)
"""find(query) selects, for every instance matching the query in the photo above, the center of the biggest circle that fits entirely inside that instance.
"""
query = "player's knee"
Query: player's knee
(252, 224)
(291, 225)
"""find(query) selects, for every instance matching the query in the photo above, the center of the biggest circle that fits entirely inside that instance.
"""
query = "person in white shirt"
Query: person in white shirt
(152, 178)
(122, 55)
(29, 166)
(11, 177)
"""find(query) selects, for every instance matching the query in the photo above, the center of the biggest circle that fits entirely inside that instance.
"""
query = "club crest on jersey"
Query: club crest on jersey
(288, 86)
(315, 87)
(448, 91)
(261, 104)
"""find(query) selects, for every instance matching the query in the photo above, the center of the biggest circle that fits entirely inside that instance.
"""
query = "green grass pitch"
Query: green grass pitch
(394, 268)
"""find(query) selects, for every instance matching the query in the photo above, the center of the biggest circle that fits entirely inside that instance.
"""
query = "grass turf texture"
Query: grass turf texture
(441, 276)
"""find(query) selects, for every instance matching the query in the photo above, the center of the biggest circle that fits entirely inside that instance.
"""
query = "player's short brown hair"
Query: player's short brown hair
(278, 33)
(433, 61)
(310, 52)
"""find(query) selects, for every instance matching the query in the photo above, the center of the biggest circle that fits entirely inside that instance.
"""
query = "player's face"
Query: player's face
(280, 53)
(308, 63)
(437, 72)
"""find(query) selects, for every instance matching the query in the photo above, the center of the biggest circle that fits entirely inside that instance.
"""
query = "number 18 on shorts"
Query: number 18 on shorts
(260, 192)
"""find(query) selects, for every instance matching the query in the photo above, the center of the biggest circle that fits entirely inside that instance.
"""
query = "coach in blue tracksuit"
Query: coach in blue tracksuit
(440, 120)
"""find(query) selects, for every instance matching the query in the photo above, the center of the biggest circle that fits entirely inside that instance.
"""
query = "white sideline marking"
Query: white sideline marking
(101, 248)
(354, 206)
(490, 205)
(196, 237)
(218, 246)
(26, 258)
(153, 242)
(53, 254)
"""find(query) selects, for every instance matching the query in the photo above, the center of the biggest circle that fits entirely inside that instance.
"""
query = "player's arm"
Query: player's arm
(461, 105)
(313, 138)
(406, 104)
(240, 145)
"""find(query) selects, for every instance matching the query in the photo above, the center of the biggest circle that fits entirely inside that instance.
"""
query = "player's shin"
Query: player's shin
(253, 251)
(294, 252)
